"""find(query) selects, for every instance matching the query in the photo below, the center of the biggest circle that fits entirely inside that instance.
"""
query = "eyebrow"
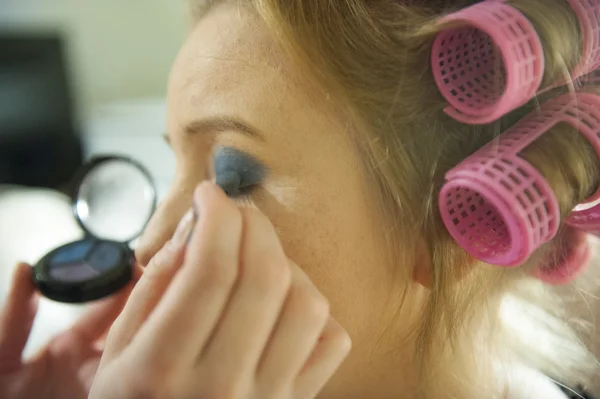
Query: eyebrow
(221, 124)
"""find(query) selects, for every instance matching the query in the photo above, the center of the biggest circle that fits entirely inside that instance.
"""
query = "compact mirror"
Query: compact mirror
(113, 200)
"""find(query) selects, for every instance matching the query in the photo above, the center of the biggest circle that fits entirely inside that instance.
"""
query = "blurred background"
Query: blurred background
(77, 78)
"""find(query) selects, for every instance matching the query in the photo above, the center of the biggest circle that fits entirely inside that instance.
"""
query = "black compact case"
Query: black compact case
(113, 200)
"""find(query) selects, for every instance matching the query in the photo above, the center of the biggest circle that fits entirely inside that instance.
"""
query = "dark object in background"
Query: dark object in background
(39, 145)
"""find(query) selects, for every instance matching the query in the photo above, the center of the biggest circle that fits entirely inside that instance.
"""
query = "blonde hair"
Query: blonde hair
(374, 56)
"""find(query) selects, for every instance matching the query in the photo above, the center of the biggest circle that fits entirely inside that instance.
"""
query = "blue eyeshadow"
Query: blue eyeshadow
(236, 171)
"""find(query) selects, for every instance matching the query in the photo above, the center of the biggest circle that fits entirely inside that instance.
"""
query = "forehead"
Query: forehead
(230, 64)
(231, 33)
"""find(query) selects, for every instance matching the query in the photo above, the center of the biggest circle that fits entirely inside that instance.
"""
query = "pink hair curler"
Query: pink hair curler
(586, 119)
(588, 14)
(591, 79)
(465, 61)
(565, 264)
(495, 204)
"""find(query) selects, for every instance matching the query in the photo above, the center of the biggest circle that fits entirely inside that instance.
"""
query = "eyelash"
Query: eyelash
(243, 197)
(234, 184)
(242, 193)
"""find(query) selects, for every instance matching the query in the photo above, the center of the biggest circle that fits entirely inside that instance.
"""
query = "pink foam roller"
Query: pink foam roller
(495, 204)
(467, 56)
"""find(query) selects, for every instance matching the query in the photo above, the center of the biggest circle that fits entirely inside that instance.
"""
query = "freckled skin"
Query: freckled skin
(324, 209)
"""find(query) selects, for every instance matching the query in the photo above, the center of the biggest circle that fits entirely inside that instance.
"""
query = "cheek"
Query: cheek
(333, 237)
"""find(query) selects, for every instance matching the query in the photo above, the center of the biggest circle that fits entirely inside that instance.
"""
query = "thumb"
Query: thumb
(16, 318)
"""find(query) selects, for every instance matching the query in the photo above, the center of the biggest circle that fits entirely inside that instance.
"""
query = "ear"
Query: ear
(462, 265)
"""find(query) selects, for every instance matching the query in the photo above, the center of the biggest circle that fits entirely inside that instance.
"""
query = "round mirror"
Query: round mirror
(114, 199)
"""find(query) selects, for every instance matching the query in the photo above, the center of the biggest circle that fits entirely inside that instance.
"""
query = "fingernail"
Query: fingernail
(183, 230)
(194, 211)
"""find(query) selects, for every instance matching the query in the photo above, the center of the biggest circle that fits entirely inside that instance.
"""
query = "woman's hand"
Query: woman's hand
(66, 367)
(229, 317)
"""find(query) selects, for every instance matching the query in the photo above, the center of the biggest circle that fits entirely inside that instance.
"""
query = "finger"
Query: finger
(303, 319)
(257, 301)
(333, 347)
(138, 271)
(96, 321)
(137, 274)
(149, 289)
(192, 305)
(143, 299)
(17, 318)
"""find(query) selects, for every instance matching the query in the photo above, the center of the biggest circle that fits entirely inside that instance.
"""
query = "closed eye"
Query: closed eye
(236, 172)
(232, 183)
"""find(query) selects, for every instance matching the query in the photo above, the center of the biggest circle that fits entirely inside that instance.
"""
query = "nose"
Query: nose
(161, 227)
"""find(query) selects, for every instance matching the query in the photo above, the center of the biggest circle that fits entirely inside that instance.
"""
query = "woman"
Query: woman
(332, 145)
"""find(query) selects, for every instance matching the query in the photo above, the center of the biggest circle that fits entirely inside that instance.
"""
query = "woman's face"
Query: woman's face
(283, 149)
